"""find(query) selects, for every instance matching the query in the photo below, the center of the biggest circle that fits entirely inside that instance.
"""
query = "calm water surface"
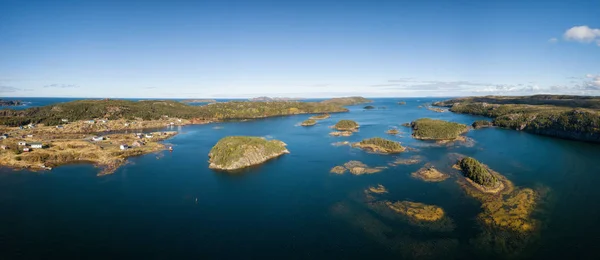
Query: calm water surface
(170, 205)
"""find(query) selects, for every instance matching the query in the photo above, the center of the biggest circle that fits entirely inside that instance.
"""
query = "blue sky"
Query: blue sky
(293, 48)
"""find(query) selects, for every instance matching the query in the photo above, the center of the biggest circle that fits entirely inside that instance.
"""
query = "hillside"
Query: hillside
(569, 117)
(152, 110)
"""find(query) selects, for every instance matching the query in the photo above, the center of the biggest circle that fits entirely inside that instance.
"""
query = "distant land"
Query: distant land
(275, 99)
(10, 103)
(199, 101)
(562, 116)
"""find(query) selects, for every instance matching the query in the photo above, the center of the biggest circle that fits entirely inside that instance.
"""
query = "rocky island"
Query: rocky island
(480, 176)
(379, 145)
(236, 152)
(320, 117)
(562, 116)
(369, 107)
(346, 125)
(309, 122)
(433, 129)
(482, 124)
(393, 131)
(430, 174)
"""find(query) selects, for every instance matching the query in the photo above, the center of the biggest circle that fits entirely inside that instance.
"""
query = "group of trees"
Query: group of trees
(345, 124)
(426, 128)
(475, 171)
(232, 148)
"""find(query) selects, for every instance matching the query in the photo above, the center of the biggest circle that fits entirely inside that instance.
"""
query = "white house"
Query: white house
(90, 121)
(97, 138)
(36, 145)
(22, 143)
(25, 149)
(123, 147)
(64, 120)
(59, 126)
(149, 135)
(29, 136)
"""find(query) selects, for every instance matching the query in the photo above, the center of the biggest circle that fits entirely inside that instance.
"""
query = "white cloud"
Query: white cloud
(552, 40)
(582, 34)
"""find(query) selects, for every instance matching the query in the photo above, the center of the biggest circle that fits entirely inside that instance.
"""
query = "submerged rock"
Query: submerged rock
(338, 170)
(236, 152)
(408, 161)
(341, 133)
(380, 189)
(417, 211)
(356, 168)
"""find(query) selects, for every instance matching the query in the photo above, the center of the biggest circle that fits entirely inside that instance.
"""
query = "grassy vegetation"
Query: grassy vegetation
(378, 144)
(432, 129)
(153, 109)
(346, 125)
(475, 171)
(570, 117)
(309, 122)
(482, 123)
(231, 150)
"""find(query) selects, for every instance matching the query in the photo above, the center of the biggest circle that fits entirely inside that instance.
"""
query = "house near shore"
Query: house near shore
(90, 121)
(97, 138)
(59, 127)
(36, 145)
(149, 135)
(22, 143)
(2, 137)
(64, 120)
(25, 149)
(29, 136)
(124, 147)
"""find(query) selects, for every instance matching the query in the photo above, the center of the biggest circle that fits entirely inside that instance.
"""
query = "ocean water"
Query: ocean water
(170, 205)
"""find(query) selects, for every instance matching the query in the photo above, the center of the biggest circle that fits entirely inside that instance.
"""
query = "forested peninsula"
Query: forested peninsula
(562, 116)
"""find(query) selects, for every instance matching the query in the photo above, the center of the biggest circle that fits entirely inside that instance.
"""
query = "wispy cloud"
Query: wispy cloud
(61, 86)
(553, 40)
(583, 34)
(8, 89)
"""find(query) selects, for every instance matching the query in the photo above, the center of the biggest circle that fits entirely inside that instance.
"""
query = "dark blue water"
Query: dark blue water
(170, 205)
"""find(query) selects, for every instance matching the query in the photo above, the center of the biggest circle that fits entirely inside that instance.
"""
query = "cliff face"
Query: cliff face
(236, 152)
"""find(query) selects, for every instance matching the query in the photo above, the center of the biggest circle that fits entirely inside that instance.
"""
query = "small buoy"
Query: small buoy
(170, 148)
